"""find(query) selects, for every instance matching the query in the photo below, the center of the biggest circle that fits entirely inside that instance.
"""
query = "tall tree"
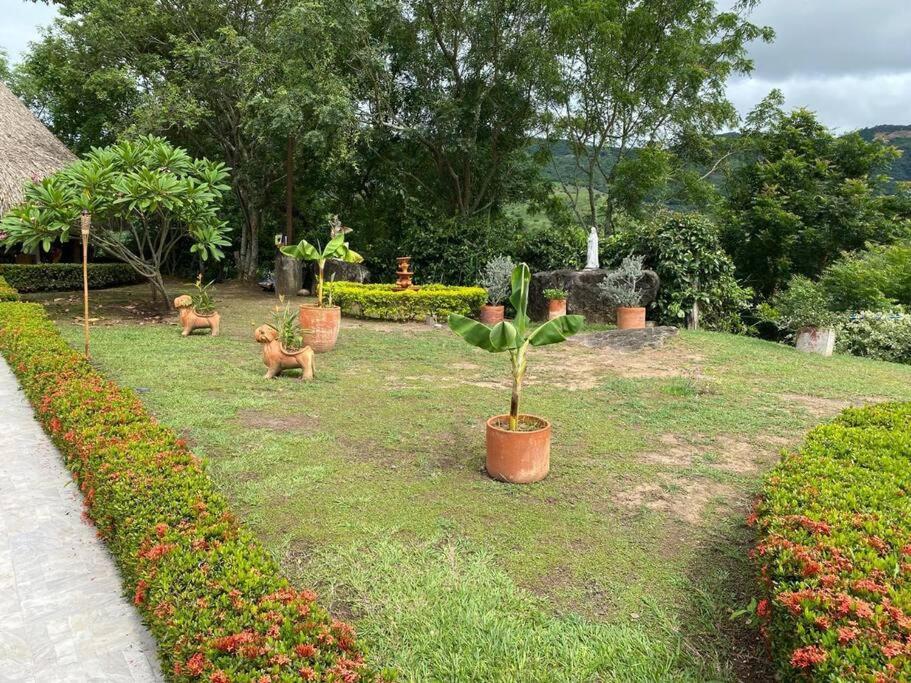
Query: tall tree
(458, 90)
(803, 196)
(639, 83)
(213, 75)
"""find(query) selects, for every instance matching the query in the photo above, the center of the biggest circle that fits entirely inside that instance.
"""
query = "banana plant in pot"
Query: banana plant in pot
(321, 320)
(518, 446)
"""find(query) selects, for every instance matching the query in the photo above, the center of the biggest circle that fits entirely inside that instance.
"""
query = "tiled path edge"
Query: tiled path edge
(63, 616)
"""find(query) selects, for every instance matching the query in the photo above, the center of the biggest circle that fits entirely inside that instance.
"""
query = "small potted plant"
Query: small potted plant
(804, 310)
(197, 311)
(621, 288)
(495, 279)
(283, 347)
(556, 302)
(321, 320)
(518, 446)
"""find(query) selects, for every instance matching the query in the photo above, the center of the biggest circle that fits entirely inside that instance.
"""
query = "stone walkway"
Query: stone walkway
(63, 616)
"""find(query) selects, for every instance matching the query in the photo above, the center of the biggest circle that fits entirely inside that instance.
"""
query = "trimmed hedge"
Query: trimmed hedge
(835, 551)
(210, 593)
(382, 303)
(7, 293)
(54, 277)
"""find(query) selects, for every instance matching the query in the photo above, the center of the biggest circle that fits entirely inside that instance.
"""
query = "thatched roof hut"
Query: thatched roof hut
(28, 150)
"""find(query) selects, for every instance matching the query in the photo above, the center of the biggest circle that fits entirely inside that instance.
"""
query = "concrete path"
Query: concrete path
(63, 616)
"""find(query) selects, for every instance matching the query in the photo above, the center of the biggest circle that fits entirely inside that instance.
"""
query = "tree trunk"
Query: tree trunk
(159, 292)
(289, 191)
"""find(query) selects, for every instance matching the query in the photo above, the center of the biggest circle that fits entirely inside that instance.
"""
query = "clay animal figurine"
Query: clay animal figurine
(277, 358)
(191, 320)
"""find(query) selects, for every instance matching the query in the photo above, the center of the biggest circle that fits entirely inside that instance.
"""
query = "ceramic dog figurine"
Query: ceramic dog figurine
(278, 359)
(191, 320)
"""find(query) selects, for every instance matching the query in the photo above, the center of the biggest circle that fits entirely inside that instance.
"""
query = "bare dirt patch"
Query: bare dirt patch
(727, 453)
(683, 499)
(819, 406)
(253, 418)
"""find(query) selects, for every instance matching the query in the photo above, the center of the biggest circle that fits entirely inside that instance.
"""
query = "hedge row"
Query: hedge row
(382, 302)
(835, 551)
(211, 595)
(53, 277)
(7, 293)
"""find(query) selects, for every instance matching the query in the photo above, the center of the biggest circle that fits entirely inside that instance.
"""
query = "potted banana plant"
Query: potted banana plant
(321, 320)
(518, 446)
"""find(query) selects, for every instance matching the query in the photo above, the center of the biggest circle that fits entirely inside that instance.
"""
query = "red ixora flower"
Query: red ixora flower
(806, 657)
(763, 608)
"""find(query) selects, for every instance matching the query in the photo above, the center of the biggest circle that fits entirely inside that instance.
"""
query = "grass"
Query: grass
(623, 565)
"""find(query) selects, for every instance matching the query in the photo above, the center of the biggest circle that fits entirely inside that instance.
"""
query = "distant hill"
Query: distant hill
(897, 136)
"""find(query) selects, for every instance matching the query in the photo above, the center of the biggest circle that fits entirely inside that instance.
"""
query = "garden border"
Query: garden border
(211, 595)
(834, 550)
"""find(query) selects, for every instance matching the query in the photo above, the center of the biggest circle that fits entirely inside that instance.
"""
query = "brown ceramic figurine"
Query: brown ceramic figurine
(277, 358)
(191, 320)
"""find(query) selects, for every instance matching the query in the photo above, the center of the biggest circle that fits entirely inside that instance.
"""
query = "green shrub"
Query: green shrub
(803, 304)
(552, 247)
(684, 249)
(382, 303)
(53, 277)
(454, 251)
(7, 293)
(884, 336)
(870, 280)
(211, 595)
(834, 551)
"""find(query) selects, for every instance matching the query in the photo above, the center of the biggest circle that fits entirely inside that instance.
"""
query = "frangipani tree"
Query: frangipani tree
(516, 336)
(145, 197)
(337, 249)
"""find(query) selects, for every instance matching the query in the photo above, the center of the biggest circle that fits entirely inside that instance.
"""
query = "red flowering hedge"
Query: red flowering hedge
(835, 551)
(211, 595)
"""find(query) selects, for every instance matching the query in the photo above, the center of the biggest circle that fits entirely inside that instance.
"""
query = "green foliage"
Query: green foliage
(203, 302)
(555, 294)
(454, 251)
(382, 302)
(833, 550)
(145, 197)
(52, 277)
(495, 278)
(285, 319)
(874, 334)
(684, 249)
(7, 293)
(804, 197)
(636, 81)
(337, 248)
(516, 336)
(803, 304)
(552, 247)
(620, 287)
(874, 279)
(210, 594)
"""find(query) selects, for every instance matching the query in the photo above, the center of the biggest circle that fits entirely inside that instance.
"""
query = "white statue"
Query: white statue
(591, 260)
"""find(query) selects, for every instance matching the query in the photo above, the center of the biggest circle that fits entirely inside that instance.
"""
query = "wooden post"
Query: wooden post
(86, 222)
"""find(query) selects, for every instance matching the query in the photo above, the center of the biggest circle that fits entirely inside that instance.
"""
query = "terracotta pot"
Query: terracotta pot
(319, 326)
(491, 315)
(630, 318)
(191, 320)
(277, 358)
(520, 457)
(555, 308)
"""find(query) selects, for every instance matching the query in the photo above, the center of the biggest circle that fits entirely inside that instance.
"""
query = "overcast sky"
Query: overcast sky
(849, 60)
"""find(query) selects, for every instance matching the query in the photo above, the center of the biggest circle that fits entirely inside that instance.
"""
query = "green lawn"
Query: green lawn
(368, 483)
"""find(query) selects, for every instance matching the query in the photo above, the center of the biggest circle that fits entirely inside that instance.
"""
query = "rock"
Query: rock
(340, 271)
(583, 293)
(819, 340)
(626, 341)
(303, 292)
(289, 275)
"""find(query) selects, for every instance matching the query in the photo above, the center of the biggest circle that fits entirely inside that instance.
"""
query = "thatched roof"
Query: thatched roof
(28, 150)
